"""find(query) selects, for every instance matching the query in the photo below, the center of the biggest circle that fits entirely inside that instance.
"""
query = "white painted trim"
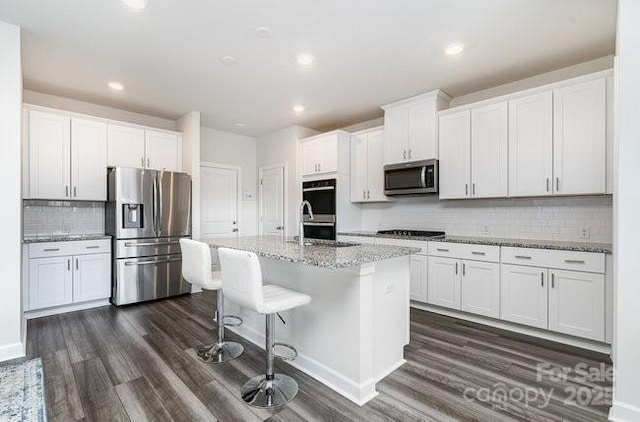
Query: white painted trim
(521, 329)
(12, 351)
(66, 308)
(365, 131)
(28, 106)
(285, 187)
(322, 135)
(390, 369)
(238, 169)
(623, 412)
(357, 393)
(436, 93)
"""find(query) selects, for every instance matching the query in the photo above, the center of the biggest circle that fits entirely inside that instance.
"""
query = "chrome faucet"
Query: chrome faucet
(301, 231)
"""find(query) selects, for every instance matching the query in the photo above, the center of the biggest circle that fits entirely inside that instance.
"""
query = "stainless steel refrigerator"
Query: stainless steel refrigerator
(147, 213)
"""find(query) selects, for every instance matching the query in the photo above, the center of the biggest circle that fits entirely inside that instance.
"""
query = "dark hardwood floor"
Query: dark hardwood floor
(138, 363)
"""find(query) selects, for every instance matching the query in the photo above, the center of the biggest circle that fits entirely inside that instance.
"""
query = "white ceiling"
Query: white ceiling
(368, 53)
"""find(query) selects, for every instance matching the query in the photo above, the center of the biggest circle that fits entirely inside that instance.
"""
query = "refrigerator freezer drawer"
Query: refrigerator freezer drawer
(141, 279)
(135, 248)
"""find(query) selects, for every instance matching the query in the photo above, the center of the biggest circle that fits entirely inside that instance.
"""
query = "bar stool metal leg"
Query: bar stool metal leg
(222, 351)
(269, 390)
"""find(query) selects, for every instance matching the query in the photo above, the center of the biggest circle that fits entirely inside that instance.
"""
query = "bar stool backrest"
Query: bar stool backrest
(241, 278)
(196, 264)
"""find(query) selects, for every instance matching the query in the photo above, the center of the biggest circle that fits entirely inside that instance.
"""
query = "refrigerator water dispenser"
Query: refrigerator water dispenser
(132, 216)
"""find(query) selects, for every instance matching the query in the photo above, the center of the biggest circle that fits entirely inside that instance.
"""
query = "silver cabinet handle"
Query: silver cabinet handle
(66, 190)
(92, 247)
(77, 264)
(148, 162)
(466, 189)
(473, 189)
(553, 280)
(368, 194)
(442, 250)
(51, 249)
(409, 153)
(522, 257)
(75, 191)
(547, 184)
(456, 268)
(364, 194)
(541, 279)
(574, 261)
(234, 230)
(68, 264)
(477, 253)
(319, 166)
(464, 269)
(557, 184)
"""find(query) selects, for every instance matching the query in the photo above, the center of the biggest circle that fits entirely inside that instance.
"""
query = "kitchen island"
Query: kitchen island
(353, 332)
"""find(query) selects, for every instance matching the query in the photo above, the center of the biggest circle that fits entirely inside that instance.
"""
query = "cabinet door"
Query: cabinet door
(523, 295)
(455, 159)
(419, 274)
(161, 150)
(375, 166)
(531, 145)
(396, 134)
(89, 160)
(579, 136)
(50, 282)
(91, 277)
(444, 282)
(310, 152)
(423, 140)
(576, 304)
(49, 156)
(481, 288)
(359, 168)
(125, 147)
(328, 162)
(489, 151)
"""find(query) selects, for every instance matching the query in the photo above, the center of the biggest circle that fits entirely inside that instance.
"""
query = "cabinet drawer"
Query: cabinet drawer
(79, 247)
(84, 247)
(422, 245)
(468, 251)
(565, 260)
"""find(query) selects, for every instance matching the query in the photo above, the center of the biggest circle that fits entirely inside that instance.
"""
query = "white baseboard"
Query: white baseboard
(12, 351)
(357, 393)
(66, 308)
(622, 412)
(517, 328)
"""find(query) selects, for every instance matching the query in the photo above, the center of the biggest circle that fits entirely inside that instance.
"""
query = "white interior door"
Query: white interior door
(219, 201)
(272, 201)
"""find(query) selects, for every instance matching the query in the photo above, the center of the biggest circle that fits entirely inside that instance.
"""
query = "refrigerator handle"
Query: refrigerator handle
(155, 206)
(160, 210)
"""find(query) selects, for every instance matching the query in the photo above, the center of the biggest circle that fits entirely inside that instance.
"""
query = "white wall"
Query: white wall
(626, 389)
(189, 125)
(523, 218)
(11, 321)
(281, 147)
(76, 106)
(229, 148)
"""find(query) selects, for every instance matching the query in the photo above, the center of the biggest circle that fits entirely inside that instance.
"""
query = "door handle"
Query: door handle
(364, 194)
(51, 249)
(92, 247)
(473, 189)
(442, 250)
(477, 253)
(319, 167)
(131, 244)
(523, 257)
(574, 261)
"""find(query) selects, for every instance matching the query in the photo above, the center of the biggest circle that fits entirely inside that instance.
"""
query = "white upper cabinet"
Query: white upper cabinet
(531, 145)
(367, 173)
(455, 157)
(579, 119)
(126, 146)
(162, 151)
(489, 151)
(327, 153)
(49, 156)
(411, 127)
(88, 160)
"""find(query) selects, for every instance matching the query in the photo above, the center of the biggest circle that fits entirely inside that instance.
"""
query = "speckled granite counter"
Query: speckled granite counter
(519, 243)
(65, 238)
(325, 254)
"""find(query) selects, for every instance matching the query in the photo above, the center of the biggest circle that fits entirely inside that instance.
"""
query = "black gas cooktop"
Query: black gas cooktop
(411, 233)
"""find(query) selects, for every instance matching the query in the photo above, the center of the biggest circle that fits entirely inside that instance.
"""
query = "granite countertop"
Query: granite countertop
(496, 241)
(321, 254)
(64, 238)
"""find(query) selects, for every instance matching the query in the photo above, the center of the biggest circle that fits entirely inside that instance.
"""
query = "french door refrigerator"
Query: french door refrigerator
(147, 213)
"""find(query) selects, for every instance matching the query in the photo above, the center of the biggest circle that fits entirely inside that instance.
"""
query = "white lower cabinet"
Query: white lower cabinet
(480, 288)
(523, 295)
(419, 275)
(91, 277)
(50, 282)
(444, 282)
(576, 304)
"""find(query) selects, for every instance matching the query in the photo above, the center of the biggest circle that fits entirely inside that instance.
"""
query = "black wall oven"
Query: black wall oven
(321, 194)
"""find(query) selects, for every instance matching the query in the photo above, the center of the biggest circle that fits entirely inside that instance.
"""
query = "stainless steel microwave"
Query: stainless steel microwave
(416, 178)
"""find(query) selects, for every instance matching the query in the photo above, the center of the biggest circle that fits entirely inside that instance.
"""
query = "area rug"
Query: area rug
(22, 391)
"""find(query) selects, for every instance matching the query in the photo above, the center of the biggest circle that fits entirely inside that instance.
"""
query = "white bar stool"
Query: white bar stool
(196, 269)
(242, 283)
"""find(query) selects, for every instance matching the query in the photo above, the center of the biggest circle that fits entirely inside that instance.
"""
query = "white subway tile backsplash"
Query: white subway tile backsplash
(559, 218)
(49, 218)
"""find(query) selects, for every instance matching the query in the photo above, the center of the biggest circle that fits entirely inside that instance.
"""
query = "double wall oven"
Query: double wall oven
(321, 194)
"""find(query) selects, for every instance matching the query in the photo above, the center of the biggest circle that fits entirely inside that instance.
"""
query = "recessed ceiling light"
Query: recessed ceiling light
(453, 49)
(298, 108)
(263, 32)
(116, 86)
(136, 4)
(305, 59)
(228, 60)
